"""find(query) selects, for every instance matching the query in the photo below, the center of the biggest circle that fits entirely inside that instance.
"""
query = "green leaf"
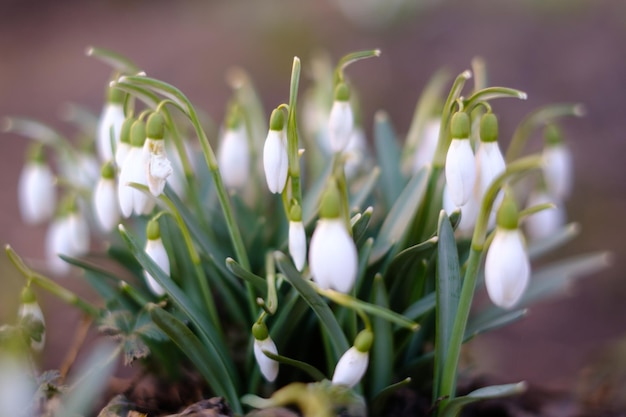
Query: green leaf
(358, 199)
(405, 259)
(454, 406)
(381, 365)
(312, 371)
(491, 318)
(114, 59)
(421, 307)
(554, 241)
(388, 154)
(360, 222)
(257, 282)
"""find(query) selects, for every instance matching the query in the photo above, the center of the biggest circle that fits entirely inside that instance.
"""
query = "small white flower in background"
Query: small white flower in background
(333, 256)
(36, 188)
(557, 164)
(507, 266)
(156, 251)
(134, 171)
(489, 161)
(546, 222)
(428, 144)
(17, 386)
(297, 237)
(275, 159)
(30, 307)
(233, 156)
(341, 119)
(355, 152)
(262, 341)
(106, 205)
(469, 212)
(460, 161)
(67, 235)
(124, 146)
(110, 123)
(158, 168)
(353, 363)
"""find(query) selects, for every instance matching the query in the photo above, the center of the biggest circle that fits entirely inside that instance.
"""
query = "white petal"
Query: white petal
(507, 268)
(546, 222)
(460, 171)
(234, 158)
(156, 251)
(106, 206)
(489, 164)
(351, 367)
(134, 170)
(558, 170)
(33, 309)
(427, 145)
(17, 386)
(36, 193)
(275, 161)
(121, 152)
(159, 169)
(333, 256)
(297, 244)
(58, 242)
(340, 125)
(112, 116)
(78, 234)
(355, 152)
(268, 367)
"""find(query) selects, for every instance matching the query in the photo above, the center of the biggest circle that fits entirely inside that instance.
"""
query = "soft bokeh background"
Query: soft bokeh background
(556, 51)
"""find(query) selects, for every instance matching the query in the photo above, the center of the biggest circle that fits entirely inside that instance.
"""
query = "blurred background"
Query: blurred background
(556, 51)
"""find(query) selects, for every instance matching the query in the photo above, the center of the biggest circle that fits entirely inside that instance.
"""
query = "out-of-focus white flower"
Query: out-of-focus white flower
(489, 161)
(558, 170)
(341, 119)
(355, 152)
(67, 235)
(297, 243)
(469, 212)
(546, 222)
(268, 367)
(353, 363)
(460, 161)
(134, 171)
(30, 307)
(158, 168)
(106, 205)
(275, 159)
(36, 189)
(156, 251)
(233, 156)
(123, 147)
(428, 144)
(17, 388)
(110, 124)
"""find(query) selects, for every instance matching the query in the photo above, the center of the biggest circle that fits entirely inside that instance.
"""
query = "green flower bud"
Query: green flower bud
(259, 331)
(36, 153)
(28, 296)
(108, 171)
(342, 92)
(295, 213)
(489, 128)
(331, 202)
(115, 95)
(125, 131)
(552, 135)
(460, 125)
(363, 341)
(155, 127)
(508, 215)
(138, 133)
(277, 120)
(153, 232)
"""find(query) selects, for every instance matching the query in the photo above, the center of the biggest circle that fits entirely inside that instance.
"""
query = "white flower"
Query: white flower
(32, 309)
(351, 367)
(546, 222)
(110, 122)
(489, 164)
(134, 170)
(469, 212)
(275, 160)
(340, 125)
(558, 170)
(268, 367)
(17, 387)
(233, 157)
(460, 171)
(355, 152)
(106, 205)
(36, 192)
(158, 168)
(333, 256)
(297, 243)
(507, 268)
(121, 152)
(427, 145)
(156, 251)
(67, 235)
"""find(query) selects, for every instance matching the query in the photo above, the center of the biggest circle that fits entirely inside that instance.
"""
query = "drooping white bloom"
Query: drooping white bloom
(275, 160)
(297, 243)
(469, 212)
(489, 163)
(558, 170)
(158, 168)
(333, 256)
(340, 125)
(507, 268)
(268, 367)
(546, 222)
(67, 235)
(134, 171)
(109, 128)
(351, 367)
(32, 309)
(428, 144)
(156, 251)
(17, 387)
(355, 152)
(121, 152)
(460, 171)
(233, 157)
(106, 205)
(36, 192)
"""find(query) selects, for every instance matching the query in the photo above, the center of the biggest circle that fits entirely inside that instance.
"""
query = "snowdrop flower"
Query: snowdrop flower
(67, 235)
(233, 156)
(262, 341)
(297, 237)
(17, 387)
(36, 189)
(507, 267)
(427, 145)
(134, 170)
(353, 363)
(124, 146)
(546, 222)
(469, 212)
(332, 254)
(341, 119)
(110, 124)
(355, 152)
(275, 159)
(158, 168)
(489, 160)
(106, 206)
(460, 161)
(30, 307)
(156, 251)
(557, 164)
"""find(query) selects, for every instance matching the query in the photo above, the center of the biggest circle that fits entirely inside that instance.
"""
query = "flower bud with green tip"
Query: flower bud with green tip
(341, 119)
(297, 237)
(156, 251)
(557, 164)
(460, 161)
(106, 206)
(353, 363)
(489, 160)
(507, 266)
(134, 171)
(275, 159)
(110, 123)
(158, 167)
(233, 156)
(31, 311)
(332, 254)
(36, 188)
(262, 341)
(124, 146)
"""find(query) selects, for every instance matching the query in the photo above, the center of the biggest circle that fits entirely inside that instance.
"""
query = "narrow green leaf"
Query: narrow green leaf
(365, 189)
(378, 403)
(312, 371)
(491, 93)
(381, 365)
(421, 307)
(115, 60)
(388, 155)
(360, 223)
(454, 406)
(490, 319)
(259, 283)
(411, 254)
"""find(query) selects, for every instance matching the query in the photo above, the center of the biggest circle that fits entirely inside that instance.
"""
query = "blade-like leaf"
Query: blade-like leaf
(257, 282)
(388, 155)
(381, 367)
(454, 407)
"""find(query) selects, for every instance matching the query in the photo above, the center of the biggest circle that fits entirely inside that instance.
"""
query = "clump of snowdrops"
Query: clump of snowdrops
(286, 257)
